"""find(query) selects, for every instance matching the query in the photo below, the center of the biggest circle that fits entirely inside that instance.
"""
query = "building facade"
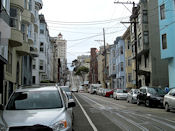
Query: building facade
(120, 63)
(167, 32)
(128, 60)
(112, 66)
(93, 72)
(5, 34)
(149, 63)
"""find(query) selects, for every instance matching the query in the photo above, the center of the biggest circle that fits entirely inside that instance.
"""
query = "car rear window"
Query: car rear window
(35, 100)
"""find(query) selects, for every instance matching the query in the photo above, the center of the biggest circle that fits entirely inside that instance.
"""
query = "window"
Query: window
(33, 79)
(121, 66)
(128, 44)
(113, 52)
(145, 37)
(13, 17)
(129, 62)
(146, 60)
(41, 29)
(41, 64)
(121, 50)
(30, 31)
(139, 40)
(145, 16)
(34, 64)
(129, 77)
(162, 12)
(30, 5)
(41, 47)
(164, 41)
(9, 65)
(113, 67)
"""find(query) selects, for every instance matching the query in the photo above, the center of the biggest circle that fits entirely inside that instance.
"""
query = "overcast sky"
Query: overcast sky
(81, 22)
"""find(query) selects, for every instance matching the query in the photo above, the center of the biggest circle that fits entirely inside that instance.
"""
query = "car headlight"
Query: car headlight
(2, 127)
(59, 125)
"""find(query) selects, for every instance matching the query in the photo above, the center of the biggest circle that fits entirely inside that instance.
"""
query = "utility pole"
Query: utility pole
(105, 70)
(135, 36)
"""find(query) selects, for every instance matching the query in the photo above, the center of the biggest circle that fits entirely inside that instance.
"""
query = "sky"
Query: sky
(81, 22)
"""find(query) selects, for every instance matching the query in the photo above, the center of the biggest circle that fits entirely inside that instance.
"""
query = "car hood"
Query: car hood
(31, 117)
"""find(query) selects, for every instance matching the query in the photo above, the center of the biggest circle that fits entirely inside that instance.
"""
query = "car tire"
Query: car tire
(147, 103)
(132, 101)
(167, 107)
(138, 102)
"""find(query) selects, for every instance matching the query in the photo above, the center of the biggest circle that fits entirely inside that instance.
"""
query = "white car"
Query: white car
(43, 108)
(120, 94)
(169, 100)
(132, 96)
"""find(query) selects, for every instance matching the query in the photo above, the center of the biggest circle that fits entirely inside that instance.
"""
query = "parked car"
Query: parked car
(132, 96)
(109, 93)
(120, 94)
(104, 91)
(169, 100)
(74, 89)
(81, 89)
(65, 88)
(93, 88)
(43, 108)
(150, 96)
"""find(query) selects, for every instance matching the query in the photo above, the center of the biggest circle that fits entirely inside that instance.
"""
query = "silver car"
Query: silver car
(169, 100)
(120, 94)
(44, 108)
(132, 96)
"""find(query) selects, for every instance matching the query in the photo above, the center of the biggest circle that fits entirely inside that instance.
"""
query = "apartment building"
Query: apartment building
(167, 33)
(120, 63)
(100, 59)
(128, 60)
(5, 34)
(35, 47)
(44, 51)
(93, 72)
(112, 66)
(152, 71)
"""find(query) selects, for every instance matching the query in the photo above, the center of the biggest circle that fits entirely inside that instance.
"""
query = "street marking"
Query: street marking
(132, 122)
(94, 102)
(88, 118)
(112, 103)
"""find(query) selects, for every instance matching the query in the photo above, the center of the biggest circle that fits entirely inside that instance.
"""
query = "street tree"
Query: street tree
(82, 71)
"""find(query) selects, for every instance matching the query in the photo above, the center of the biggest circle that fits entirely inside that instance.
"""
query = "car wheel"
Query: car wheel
(167, 107)
(147, 103)
(138, 102)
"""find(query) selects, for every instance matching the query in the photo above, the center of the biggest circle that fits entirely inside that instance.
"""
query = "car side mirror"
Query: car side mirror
(1, 107)
(71, 103)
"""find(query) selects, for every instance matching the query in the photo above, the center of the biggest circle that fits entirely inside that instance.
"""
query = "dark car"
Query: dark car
(150, 96)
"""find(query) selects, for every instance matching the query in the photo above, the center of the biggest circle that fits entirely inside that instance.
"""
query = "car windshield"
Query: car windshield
(120, 91)
(160, 91)
(66, 89)
(135, 91)
(35, 100)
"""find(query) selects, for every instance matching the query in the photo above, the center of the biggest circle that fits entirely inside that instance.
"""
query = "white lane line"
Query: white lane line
(88, 118)
(156, 120)
(94, 101)
(111, 103)
(132, 122)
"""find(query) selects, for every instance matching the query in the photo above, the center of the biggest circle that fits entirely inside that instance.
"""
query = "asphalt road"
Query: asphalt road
(108, 114)
(98, 113)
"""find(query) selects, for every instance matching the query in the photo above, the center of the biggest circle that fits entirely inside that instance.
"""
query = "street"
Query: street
(93, 112)
(108, 114)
